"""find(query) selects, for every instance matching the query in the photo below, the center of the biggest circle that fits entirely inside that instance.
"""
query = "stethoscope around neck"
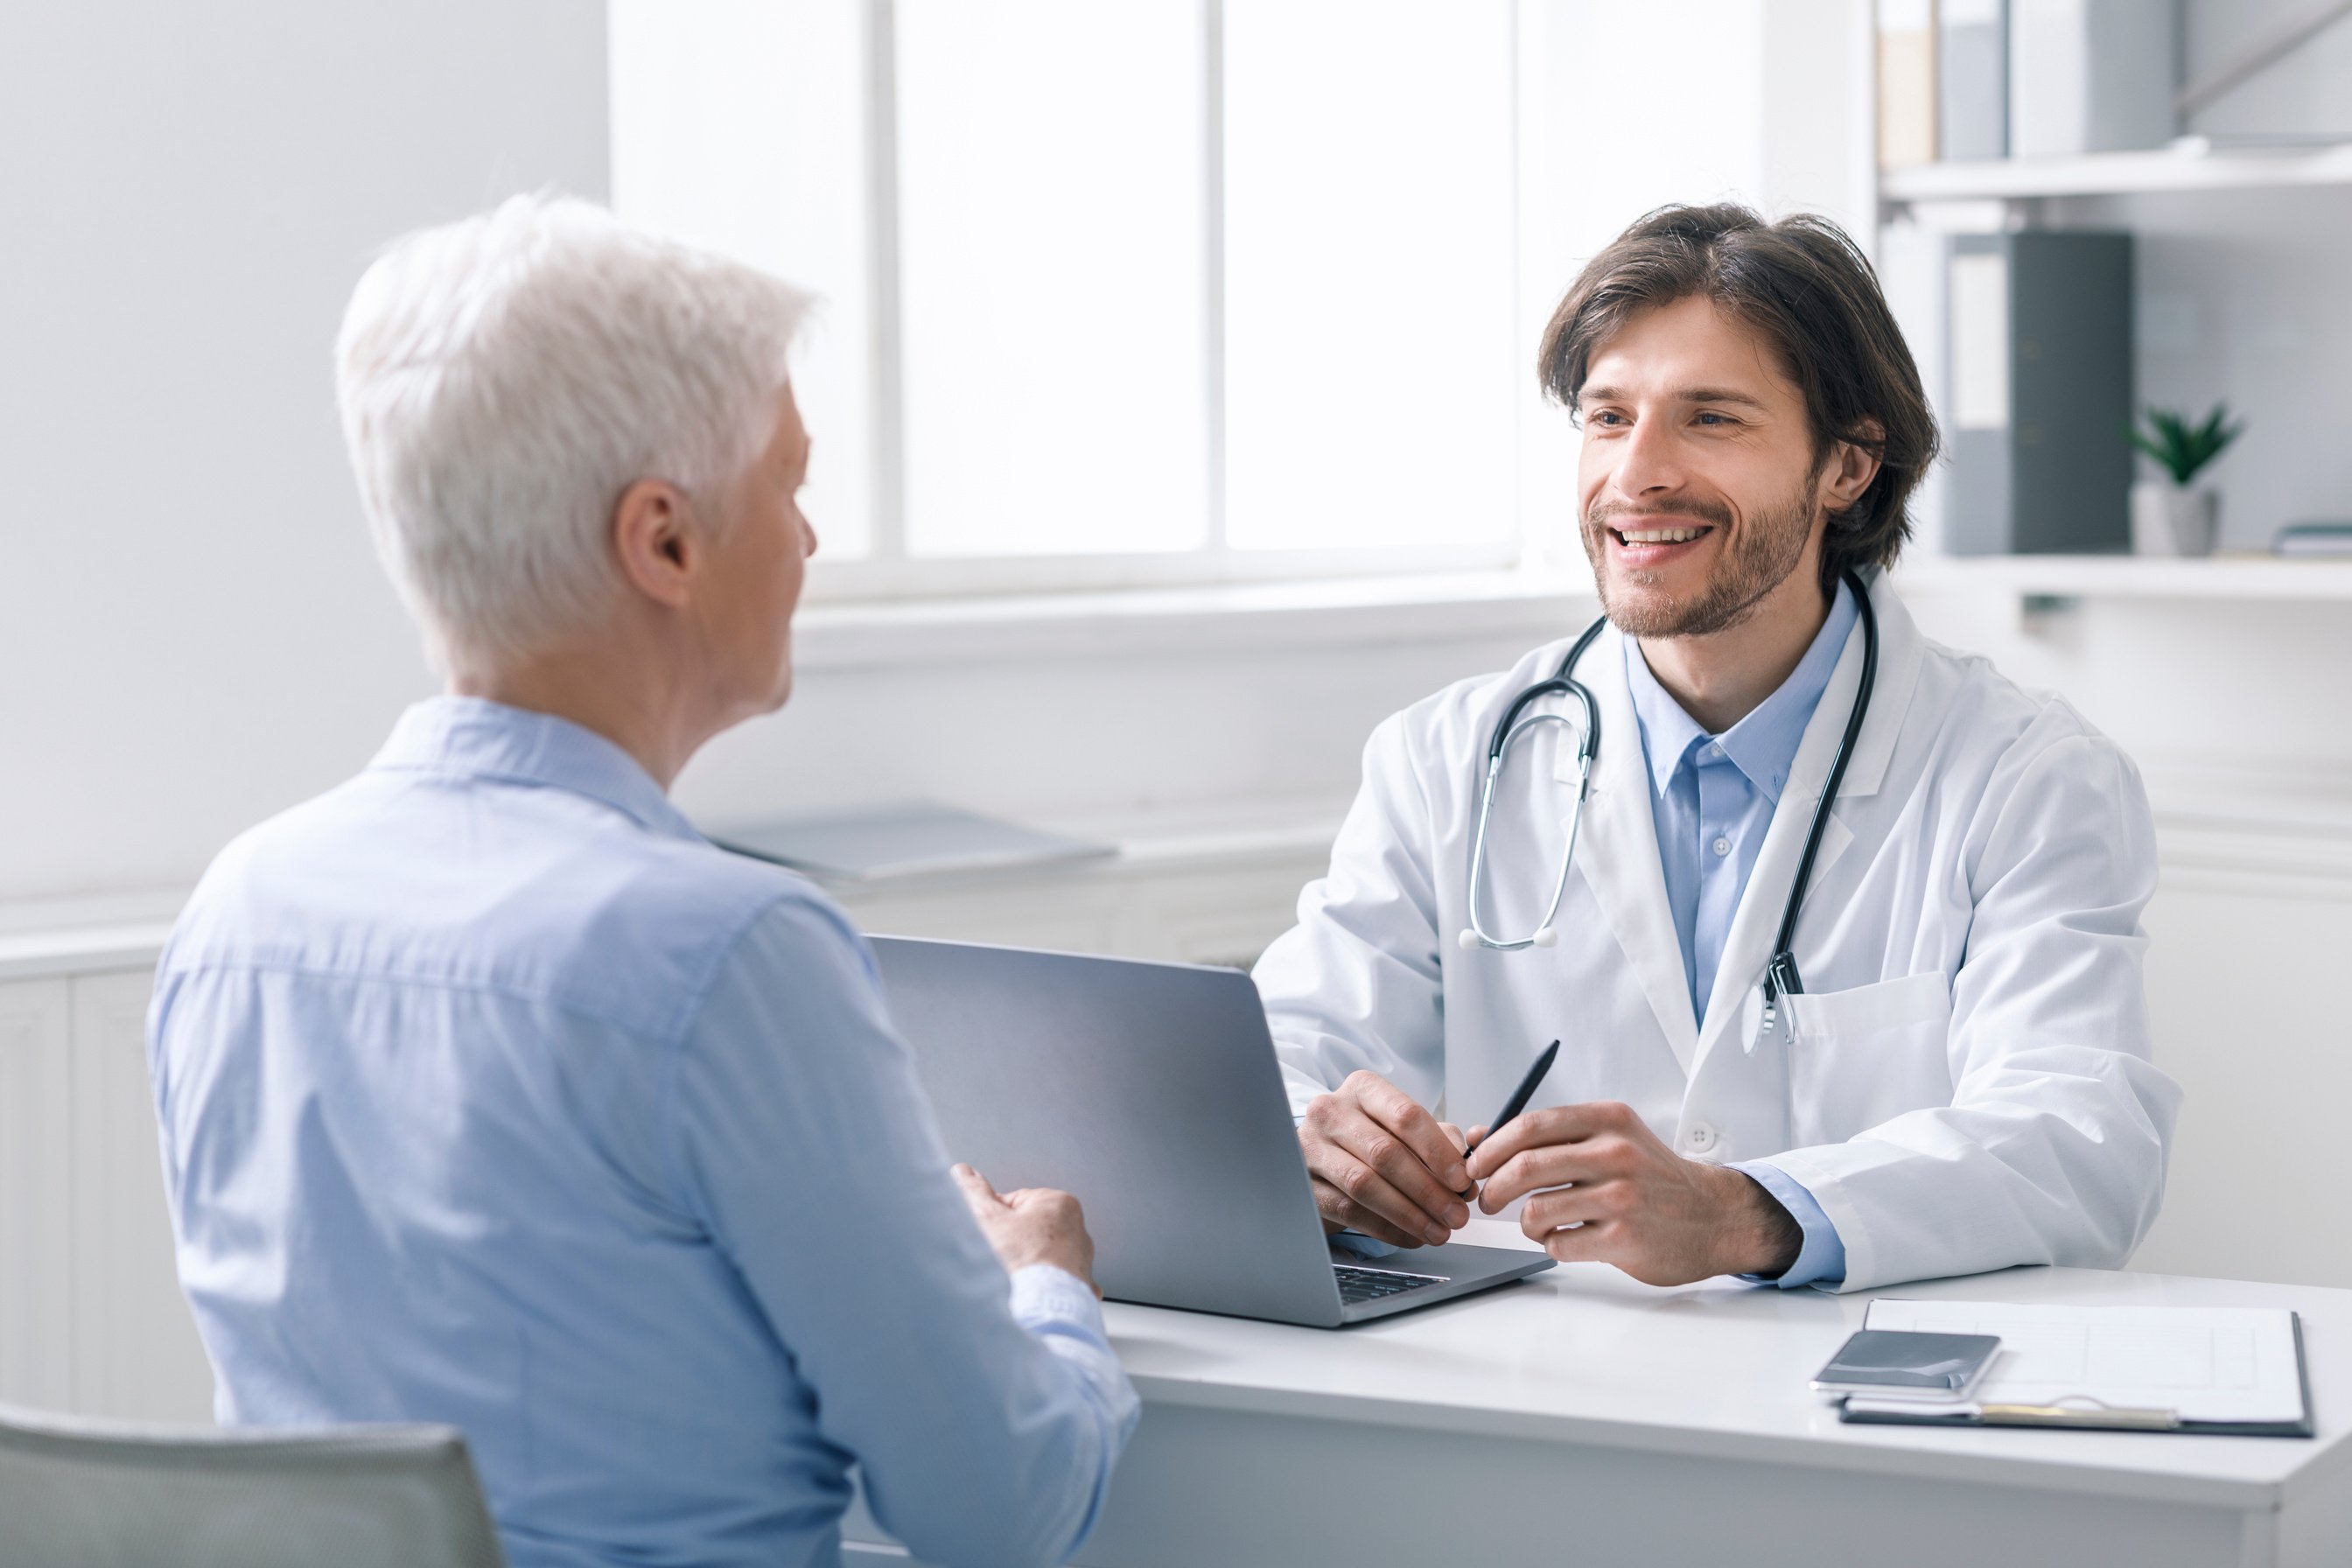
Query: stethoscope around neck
(1780, 976)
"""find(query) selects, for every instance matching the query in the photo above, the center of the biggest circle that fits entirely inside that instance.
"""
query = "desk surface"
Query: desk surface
(1584, 1354)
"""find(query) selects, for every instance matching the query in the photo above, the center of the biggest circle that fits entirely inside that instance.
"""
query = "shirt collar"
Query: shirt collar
(1763, 745)
(472, 737)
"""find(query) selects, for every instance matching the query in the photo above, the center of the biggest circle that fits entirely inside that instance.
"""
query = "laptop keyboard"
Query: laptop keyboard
(1372, 1284)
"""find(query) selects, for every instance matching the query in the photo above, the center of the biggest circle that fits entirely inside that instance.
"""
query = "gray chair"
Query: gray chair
(78, 1493)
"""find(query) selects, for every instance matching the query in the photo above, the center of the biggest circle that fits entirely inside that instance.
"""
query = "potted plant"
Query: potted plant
(2168, 518)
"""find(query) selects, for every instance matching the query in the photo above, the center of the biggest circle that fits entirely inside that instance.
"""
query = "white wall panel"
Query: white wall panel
(2244, 987)
(135, 1350)
(36, 1220)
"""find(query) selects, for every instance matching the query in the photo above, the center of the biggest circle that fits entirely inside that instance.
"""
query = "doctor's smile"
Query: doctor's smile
(1643, 538)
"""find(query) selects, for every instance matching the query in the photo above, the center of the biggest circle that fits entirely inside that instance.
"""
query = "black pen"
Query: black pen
(1525, 1092)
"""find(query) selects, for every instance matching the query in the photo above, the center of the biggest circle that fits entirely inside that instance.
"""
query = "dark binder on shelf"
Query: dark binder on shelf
(2038, 393)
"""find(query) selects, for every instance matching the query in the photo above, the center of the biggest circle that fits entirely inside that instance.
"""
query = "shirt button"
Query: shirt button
(1721, 846)
(1713, 754)
(1698, 1137)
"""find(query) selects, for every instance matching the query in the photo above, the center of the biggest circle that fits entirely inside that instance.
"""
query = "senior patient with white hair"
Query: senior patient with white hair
(492, 1094)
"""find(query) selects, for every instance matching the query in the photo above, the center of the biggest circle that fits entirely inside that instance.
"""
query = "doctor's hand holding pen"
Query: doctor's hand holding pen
(1604, 1187)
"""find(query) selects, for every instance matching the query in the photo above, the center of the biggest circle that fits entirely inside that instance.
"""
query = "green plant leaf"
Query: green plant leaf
(2181, 448)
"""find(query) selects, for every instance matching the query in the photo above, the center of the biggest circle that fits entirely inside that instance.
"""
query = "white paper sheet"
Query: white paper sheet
(2205, 1364)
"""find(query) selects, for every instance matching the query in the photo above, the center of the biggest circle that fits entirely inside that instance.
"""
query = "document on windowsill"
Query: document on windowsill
(2145, 1369)
(866, 844)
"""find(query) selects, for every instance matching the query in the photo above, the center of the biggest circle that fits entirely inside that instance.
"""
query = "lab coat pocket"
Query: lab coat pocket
(1861, 1056)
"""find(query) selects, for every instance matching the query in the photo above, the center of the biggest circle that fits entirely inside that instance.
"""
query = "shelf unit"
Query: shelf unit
(2120, 173)
(2011, 193)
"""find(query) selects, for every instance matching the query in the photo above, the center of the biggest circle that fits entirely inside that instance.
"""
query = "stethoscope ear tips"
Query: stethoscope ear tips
(1547, 937)
(1467, 941)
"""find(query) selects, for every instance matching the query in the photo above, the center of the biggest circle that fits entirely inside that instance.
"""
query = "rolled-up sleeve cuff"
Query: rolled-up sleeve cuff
(1062, 1311)
(1822, 1259)
(1044, 1296)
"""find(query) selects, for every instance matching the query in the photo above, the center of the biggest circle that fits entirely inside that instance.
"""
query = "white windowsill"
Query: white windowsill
(1233, 616)
(50, 940)
(1525, 606)
(2295, 830)
(56, 939)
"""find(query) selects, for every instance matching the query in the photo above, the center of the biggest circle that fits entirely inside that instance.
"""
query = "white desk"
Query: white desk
(1582, 1417)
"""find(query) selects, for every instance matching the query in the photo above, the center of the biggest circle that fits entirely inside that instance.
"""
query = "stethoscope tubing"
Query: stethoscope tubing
(1508, 729)
(1780, 976)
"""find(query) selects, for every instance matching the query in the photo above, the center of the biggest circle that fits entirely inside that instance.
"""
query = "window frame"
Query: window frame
(885, 571)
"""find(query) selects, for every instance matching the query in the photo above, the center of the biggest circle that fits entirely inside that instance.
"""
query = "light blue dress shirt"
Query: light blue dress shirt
(1712, 798)
(492, 1094)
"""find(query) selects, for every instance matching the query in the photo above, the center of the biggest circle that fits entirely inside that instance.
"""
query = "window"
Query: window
(1372, 367)
(1166, 291)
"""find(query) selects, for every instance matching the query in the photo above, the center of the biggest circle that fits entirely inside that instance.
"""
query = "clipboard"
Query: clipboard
(2222, 1372)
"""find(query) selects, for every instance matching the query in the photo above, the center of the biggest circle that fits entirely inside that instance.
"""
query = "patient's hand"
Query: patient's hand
(1032, 1224)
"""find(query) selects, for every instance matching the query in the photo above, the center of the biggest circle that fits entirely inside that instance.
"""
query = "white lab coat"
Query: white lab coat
(1965, 1083)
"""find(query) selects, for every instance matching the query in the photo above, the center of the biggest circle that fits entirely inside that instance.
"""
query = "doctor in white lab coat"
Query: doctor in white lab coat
(1964, 1082)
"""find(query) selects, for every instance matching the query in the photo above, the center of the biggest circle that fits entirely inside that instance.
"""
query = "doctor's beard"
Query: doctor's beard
(1750, 564)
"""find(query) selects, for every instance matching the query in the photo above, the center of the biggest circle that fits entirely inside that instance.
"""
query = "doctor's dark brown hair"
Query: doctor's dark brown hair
(1803, 285)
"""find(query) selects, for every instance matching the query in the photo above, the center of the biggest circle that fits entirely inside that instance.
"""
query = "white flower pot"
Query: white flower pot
(2168, 521)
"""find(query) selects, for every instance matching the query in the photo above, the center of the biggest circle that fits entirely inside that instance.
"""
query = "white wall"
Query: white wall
(2304, 92)
(192, 631)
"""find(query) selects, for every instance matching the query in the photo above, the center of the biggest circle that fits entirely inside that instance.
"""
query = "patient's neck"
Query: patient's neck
(617, 689)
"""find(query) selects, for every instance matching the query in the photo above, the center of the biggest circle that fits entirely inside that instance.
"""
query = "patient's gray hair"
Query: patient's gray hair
(503, 380)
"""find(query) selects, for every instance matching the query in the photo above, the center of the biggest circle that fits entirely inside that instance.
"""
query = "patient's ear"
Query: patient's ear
(654, 541)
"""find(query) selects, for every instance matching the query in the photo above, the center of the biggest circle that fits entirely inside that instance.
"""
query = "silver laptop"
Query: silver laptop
(1150, 1091)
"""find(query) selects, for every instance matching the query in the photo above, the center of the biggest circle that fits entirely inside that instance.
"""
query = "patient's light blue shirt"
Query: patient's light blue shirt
(1712, 799)
(492, 1094)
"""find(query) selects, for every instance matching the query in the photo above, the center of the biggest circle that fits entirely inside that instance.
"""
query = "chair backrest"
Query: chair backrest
(96, 1494)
